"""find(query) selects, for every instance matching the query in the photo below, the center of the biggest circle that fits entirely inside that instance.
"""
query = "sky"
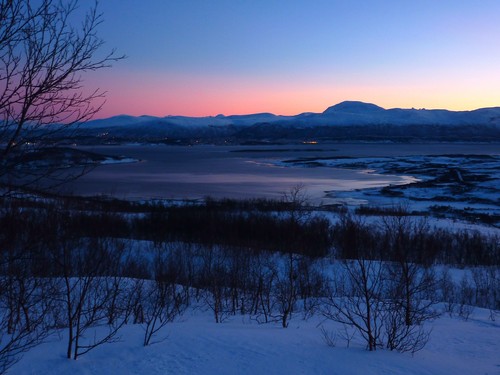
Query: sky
(209, 57)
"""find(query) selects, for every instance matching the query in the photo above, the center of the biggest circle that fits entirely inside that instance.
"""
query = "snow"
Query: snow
(184, 121)
(197, 345)
(345, 113)
(120, 120)
(472, 187)
(354, 107)
(119, 160)
(354, 112)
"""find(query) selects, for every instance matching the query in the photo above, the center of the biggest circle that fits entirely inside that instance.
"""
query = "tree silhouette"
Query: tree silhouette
(45, 49)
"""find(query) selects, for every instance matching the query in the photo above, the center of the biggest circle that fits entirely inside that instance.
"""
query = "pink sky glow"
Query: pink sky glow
(202, 58)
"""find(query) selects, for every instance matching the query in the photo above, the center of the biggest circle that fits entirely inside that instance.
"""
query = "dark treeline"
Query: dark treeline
(256, 225)
(389, 236)
(268, 226)
(256, 230)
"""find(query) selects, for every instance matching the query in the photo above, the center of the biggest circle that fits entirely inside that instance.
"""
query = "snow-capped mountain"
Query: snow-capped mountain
(359, 113)
(345, 113)
(349, 120)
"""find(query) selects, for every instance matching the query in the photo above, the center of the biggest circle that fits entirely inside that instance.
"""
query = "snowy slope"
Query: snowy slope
(120, 120)
(345, 113)
(345, 121)
(352, 113)
(196, 345)
(219, 120)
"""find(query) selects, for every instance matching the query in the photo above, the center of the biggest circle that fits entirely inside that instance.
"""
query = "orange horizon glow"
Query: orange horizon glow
(161, 94)
(202, 98)
(251, 57)
(209, 109)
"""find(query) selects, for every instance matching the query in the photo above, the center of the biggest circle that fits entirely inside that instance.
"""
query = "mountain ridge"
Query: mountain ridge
(345, 121)
(343, 113)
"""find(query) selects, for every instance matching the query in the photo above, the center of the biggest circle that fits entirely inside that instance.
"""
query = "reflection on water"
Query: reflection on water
(177, 172)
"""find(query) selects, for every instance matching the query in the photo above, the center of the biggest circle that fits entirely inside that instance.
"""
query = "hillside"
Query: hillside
(346, 121)
(197, 345)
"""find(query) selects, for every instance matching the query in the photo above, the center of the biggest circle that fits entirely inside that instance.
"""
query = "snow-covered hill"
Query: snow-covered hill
(197, 345)
(219, 120)
(352, 113)
(349, 120)
(345, 113)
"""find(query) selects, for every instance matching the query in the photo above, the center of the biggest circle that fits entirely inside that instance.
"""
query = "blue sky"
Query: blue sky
(208, 57)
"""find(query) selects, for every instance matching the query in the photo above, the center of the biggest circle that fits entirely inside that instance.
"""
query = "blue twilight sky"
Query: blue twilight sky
(196, 58)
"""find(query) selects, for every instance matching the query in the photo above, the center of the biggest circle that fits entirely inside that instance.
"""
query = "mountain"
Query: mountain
(353, 107)
(349, 120)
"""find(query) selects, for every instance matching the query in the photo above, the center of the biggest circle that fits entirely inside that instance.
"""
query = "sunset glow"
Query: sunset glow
(198, 59)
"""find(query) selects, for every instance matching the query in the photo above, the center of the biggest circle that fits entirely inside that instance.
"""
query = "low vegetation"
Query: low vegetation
(76, 264)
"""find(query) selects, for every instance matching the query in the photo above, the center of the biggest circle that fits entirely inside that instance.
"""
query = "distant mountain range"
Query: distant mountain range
(346, 121)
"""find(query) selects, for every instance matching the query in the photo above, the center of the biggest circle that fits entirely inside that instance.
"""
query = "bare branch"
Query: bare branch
(43, 58)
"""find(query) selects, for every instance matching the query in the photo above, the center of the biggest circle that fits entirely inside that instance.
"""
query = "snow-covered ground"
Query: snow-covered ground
(197, 345)
(110, 160)
(454, 185)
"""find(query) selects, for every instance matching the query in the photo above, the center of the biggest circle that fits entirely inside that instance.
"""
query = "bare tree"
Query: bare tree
(90, 290)
(286, 288)
(408, 305)
(412, 286)
(287, 277)
(263, 276)
(25, 295)
(466, 298)
(399, 335)
(356, 300)
(311, 285)
(24, 307)
(162, 299)
(296, 198)
(45, 51)
(448, 291)
(486, 282)
(215, 279)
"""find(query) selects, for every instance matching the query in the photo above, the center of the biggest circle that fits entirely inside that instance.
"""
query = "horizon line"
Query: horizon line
(291, 115)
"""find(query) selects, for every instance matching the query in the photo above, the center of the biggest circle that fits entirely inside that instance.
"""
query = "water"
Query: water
(183, 172)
